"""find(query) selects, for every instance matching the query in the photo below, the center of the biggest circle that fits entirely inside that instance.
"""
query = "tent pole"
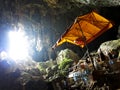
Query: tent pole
(86, 46)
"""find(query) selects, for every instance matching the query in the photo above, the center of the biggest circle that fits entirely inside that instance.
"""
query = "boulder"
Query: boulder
(110, 46)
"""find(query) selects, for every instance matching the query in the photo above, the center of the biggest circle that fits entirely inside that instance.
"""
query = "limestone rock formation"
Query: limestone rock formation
(108, 46)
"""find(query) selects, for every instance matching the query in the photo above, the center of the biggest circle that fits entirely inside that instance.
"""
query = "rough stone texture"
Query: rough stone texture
(106, 2)
(67, 54)
(59, 3)
(62, 6)
(109, 46)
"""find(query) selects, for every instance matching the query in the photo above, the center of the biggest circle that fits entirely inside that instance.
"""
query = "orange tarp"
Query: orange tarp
(85, 29)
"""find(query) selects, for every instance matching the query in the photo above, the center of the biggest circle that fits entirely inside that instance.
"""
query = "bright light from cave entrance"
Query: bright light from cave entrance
(18, 45)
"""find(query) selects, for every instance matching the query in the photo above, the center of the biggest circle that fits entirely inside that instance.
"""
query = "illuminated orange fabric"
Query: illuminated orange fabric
(85, 29)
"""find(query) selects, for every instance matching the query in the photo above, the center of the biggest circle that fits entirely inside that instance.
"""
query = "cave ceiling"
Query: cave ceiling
(51, 17)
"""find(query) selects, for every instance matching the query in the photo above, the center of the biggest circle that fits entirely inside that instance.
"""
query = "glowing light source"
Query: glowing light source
(3, 55)
(18, 45)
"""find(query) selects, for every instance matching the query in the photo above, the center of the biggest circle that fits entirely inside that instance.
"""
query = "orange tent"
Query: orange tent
(85, 29)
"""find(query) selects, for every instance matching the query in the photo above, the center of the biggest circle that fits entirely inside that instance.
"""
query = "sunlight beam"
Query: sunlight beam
(18, 45)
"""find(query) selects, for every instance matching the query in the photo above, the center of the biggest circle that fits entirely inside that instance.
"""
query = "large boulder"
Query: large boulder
(66, 53)
(108, 46)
